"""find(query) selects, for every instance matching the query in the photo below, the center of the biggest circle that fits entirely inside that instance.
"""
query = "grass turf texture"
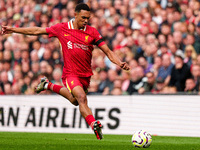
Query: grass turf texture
(52, 141)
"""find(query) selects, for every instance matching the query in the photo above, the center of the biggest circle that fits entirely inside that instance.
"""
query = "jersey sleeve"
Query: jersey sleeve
(98, 39)
(54, 30)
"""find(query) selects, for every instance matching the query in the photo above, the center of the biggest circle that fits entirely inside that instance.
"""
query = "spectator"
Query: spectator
(25, 21)
(93, 89)
(57, 74)
(195, 7)
(180, 72)
(125, 76)
(112, 76)
(149, 81)
(25, 56)
(162, 39)
(169, 90)
(177, 15)
(141, 40)
(116, 91)
(117, 88)
(35, 68)
(177, 26)
(8, 69)
(103, 80)
(145, 65)
(189, 17)
(177, 38)
(157, 64)
(34, 56)
(190, 54)
(25, 68)
(150, 52)
(165, 70)
(154, 28)
(70, 8)
(37, 14)
(17, 57)
(136, 82)
(159, 86)
(133, 63)
(117, 84)
(7, 89)
(137, 22)
(7, 55)
(17, 76)
(1, 66)
(55, 16)
(27, 82)
(174, 25)
(196, 75)
(191, 41)
(47, 56)
(16, 89)
(191, 28)
(198, 59)
(4, 80)
(37, 47)
(165, 29)
(190, 86)
(1, 91)
(43, 67)
(197, 32)
(163, 49)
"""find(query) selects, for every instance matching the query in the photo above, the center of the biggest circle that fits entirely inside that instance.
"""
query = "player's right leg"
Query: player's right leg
(63, 91)
(85, 111)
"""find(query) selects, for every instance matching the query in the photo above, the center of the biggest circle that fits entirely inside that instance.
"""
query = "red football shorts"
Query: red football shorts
(72, 81)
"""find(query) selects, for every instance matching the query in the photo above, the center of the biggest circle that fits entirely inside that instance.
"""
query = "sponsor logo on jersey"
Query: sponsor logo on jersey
(81, 46)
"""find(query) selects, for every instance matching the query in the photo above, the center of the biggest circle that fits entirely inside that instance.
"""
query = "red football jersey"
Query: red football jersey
(77, 46)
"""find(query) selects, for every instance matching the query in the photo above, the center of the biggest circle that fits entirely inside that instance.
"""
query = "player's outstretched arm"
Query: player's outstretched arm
(28, 30)
(114, 58)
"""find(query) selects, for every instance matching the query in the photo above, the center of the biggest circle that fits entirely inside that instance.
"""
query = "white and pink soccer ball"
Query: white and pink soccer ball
(141, 139)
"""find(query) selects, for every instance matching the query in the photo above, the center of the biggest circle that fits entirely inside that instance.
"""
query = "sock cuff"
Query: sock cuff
(49, 85)
(89, 119)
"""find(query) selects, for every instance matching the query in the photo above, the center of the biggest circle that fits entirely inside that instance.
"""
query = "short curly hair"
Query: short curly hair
(82, 6)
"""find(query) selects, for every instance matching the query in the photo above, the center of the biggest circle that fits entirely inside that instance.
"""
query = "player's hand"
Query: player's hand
(6, 30)
(124, 66)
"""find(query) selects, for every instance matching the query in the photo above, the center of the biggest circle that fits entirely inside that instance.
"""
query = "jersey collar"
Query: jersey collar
(71, 26)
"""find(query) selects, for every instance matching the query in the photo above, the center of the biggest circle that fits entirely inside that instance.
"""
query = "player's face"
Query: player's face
(82, 18)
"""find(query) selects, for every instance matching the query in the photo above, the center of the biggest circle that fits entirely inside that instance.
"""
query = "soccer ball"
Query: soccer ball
(141, 139)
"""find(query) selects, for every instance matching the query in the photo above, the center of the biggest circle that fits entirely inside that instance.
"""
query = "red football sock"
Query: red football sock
(54, 87)
(90, 120)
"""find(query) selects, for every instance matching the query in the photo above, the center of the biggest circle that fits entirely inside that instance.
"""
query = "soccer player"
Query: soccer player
(77, 40)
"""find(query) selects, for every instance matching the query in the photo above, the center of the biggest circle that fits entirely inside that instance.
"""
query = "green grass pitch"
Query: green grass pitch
(53, 141)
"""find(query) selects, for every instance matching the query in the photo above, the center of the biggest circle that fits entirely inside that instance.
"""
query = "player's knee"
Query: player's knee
(81, 98)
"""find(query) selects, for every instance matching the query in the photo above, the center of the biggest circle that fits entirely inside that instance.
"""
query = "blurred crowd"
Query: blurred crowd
(159, 39)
